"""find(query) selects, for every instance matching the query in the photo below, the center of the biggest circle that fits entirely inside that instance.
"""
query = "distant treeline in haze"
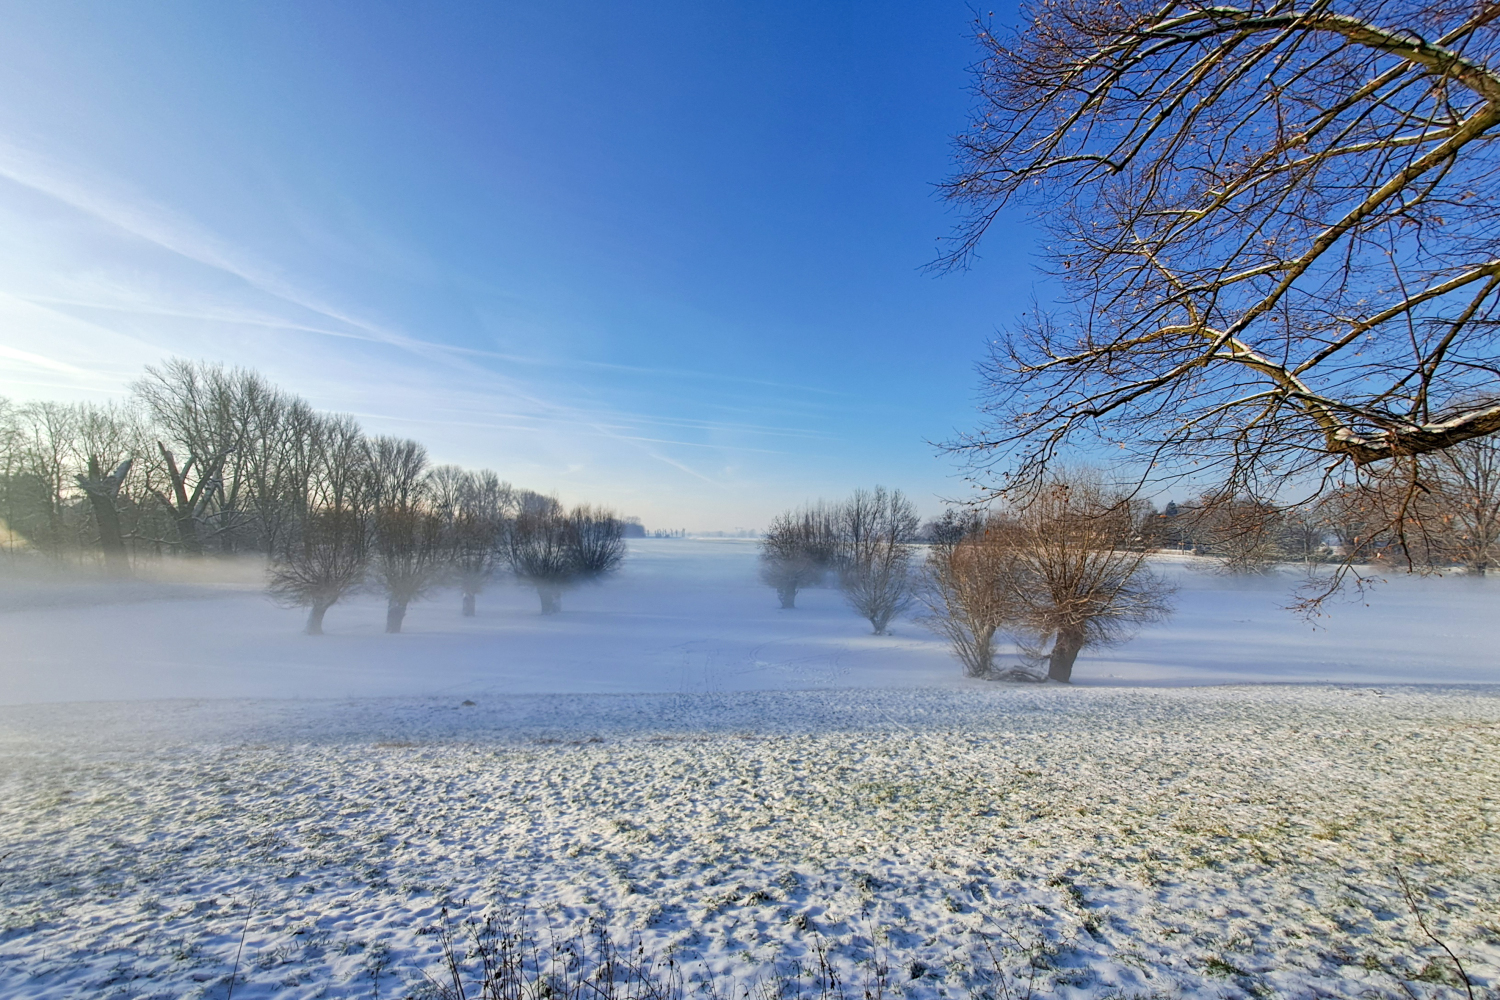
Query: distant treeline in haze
(203, 459)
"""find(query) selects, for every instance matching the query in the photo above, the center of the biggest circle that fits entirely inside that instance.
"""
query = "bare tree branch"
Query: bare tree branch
(1277, 223)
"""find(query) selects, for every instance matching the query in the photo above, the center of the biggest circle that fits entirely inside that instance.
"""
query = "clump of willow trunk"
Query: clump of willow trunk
(967, 589)
(1079, 575)
(552, 549)
(798, 551)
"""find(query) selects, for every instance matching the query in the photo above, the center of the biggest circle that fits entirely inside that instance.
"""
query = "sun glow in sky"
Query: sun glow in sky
(665, 256)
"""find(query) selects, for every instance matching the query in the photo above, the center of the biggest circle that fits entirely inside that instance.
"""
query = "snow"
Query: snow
(686, 616)
(180, 768)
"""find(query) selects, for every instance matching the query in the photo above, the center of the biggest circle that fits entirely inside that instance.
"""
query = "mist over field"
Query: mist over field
(199, 799)
(683, 616)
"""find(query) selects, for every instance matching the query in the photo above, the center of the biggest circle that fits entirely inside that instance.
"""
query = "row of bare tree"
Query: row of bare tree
(1440, 511)
(1063, 567)
(1068, 566)
(408, 528)
(199, 459)
(865, 543)
(204, 459)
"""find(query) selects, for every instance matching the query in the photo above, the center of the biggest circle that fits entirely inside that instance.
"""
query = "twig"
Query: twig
(245, 927)
(1411, 901)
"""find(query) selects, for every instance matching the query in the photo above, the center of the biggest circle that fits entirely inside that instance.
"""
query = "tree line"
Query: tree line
(1067, 567)
(1064, 567)
(203, 459)
(1440, 511)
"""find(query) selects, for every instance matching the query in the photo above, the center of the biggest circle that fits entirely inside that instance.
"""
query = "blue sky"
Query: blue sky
(666, 256)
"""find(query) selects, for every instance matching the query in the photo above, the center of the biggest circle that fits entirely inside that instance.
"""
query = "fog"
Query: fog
(199, 799)
(682, 616)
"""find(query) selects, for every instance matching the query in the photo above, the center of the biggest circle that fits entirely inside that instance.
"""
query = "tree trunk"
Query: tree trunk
(315, 619)
(1064, 652)
(111, 539)
(395, 611)
(551, 600)
(468, 605)
(101, 490)
(980, 661)
(788, 597)
(184, 505)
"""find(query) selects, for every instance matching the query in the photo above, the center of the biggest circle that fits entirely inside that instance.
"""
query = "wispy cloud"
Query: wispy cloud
(677, 373)
(234, 315)
(311, 314)
(38, 361)
(161, 226)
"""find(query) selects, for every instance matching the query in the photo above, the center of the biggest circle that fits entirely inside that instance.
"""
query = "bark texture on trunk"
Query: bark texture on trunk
(102, 490)
(551, 599)
(980, 661)
(187, 533)
(110, 538)
(468, 605)
(788, 596)
(1064, 652)
(395, 611)
(315, 619)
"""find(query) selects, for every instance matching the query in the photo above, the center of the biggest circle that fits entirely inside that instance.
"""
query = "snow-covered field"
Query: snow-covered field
(677, 757)
(683, 616)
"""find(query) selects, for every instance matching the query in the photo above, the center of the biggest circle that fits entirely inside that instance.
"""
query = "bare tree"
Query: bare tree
(876, 531)
(204, 413)
(969, 589)
(598, 541)
(540, 552)
(342, 476)
(41, 485)
(408, 532)
(1276, 223)
(108, 441)
(1460, 509)
(474, 507)
(1078, 577)
(799, 549)
(280, 455)
(552, 549)
(326, 558)
(324, 552)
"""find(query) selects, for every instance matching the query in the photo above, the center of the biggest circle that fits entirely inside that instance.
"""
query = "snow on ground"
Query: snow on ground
(683, 616)
(1206, 842)
(679, 758)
